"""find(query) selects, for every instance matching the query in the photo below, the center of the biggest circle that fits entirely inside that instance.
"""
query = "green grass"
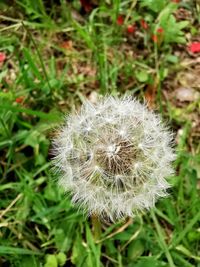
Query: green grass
(57, 57)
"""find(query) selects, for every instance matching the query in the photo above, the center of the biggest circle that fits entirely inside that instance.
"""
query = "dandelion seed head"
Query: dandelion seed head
(114, 157)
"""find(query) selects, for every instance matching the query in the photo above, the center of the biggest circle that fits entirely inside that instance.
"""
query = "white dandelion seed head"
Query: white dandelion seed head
(113, 157)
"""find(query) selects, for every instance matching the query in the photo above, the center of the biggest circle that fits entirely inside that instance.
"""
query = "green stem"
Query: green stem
(96, 224)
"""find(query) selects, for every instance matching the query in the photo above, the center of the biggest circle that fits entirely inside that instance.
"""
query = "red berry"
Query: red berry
(160, 30)
(194, 47)
(19, 99)
(155, 38)
(144, 24)
(131, 28)
(2, 57)
(120, 20)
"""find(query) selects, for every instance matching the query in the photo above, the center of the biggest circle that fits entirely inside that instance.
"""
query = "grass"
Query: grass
(58, 55)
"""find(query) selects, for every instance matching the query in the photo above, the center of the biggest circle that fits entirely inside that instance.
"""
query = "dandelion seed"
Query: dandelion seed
(113, 157)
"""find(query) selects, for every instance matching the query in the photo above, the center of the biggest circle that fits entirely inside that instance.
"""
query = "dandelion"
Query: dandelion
(113, 157)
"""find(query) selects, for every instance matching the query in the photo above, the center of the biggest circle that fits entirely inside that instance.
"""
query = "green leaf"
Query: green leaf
(40, 160)
(182, 24)
(64, 234)
(79, 253)
(154, 5)
(172, 58)
(93, 249)
(51, 261)
(12, 250)
(172, 28)
(32, 139)
(186, 252)
(149, 262)
(61, 258)
(49, 116)
(50, 192)
(135, 249)
(3, 74)
(53, 83)
(142, 76)
(31, 63)
(29, 261)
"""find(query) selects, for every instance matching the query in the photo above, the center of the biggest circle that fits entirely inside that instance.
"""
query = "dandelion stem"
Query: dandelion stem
(96, 224)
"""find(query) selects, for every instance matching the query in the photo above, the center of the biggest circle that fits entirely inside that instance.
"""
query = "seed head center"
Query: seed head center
(116, 157)
(112, 150)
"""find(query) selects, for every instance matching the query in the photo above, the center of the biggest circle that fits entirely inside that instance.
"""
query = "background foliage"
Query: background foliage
(55, 54)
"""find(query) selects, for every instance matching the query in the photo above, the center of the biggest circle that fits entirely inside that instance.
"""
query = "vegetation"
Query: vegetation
(53, 56)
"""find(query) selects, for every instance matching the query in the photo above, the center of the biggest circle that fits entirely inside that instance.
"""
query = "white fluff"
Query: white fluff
(113, 157)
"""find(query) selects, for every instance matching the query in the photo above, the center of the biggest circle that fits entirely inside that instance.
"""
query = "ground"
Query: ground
(55, 54)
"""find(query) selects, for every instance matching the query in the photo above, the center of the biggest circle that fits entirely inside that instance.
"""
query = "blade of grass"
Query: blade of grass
(39, 56)
(30, 112)
(162, 240)
(95, 248)
(12, 250)
(188, 227)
